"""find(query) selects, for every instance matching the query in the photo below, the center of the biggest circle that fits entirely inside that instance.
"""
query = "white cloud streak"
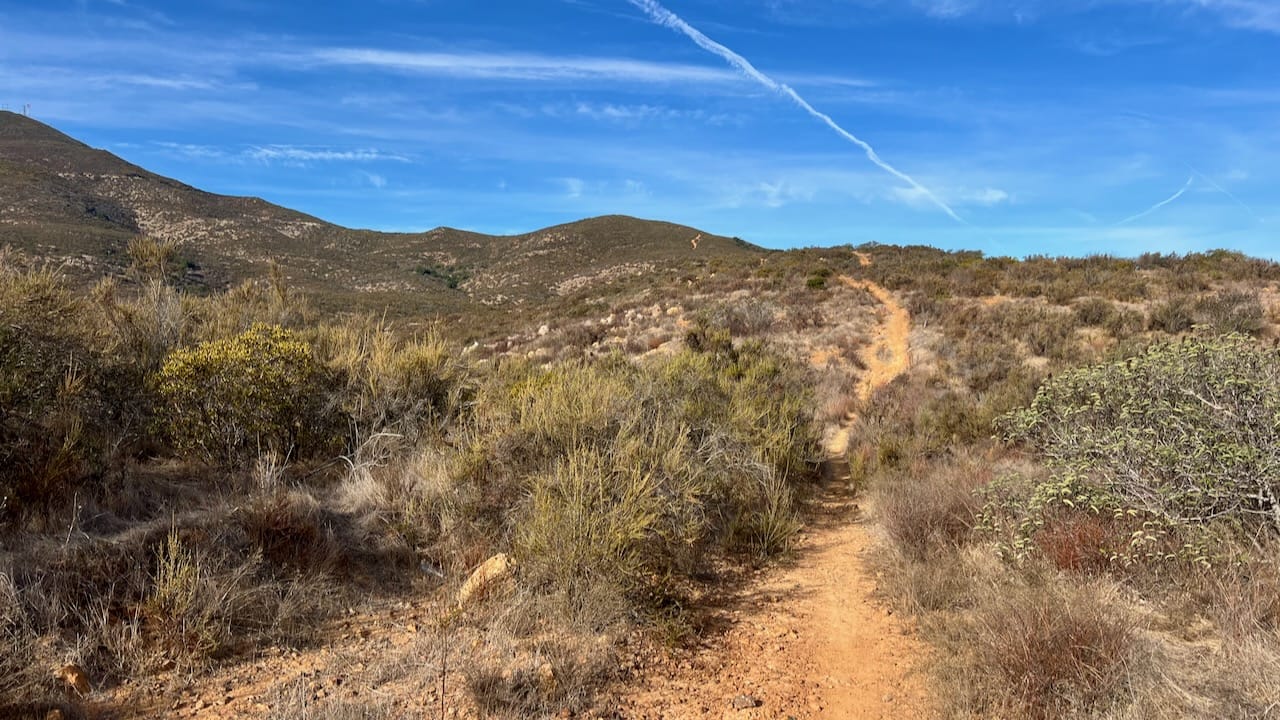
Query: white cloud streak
(286, 153)
(1226, 192)
(1161, 204)
(662, 16)
(520, 66)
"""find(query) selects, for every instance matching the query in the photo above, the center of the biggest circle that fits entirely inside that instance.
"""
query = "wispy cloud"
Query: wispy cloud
(1262, 15)
(282, 154)
(981, 197)
(289, 153)
(521, 66)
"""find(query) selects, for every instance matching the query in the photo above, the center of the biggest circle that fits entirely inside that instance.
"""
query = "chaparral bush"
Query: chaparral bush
(262, 390)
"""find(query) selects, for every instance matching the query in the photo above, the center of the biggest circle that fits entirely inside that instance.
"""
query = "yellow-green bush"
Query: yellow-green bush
(260, 390)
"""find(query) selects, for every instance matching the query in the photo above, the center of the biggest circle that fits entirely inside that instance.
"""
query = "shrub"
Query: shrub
(1184, 433)
(927, 514)
(1046, 651)
(262, 390)
(1094, 312)
(1172, 316)
(49, 399)
(411, 387)
(1233, 311)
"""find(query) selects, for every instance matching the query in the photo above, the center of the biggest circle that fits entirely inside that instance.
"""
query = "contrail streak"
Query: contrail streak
(662, 16)
(1160, 204)
(1226, 192)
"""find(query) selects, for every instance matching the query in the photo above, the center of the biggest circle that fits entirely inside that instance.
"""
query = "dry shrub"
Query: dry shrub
(941, 583)
(50, 400)
(1233, 311)
(289, 529)
(1176, 315)
(268, 301)
(412, 386)
(1077, 541)
(929, 511)
(1095, 311)
(1042, 650)
(1243, 598)
(536, 656)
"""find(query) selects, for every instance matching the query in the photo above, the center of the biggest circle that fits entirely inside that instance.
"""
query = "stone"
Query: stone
(745, 702)
(491, 572)
(75, 676)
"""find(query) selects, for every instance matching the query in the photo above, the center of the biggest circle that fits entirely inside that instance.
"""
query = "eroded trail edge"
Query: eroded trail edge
(810, 639)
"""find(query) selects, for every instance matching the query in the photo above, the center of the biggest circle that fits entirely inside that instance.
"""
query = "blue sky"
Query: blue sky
(1009, 126)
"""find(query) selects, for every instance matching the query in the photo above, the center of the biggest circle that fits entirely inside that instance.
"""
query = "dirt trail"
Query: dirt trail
(888, 356)
(809, 640)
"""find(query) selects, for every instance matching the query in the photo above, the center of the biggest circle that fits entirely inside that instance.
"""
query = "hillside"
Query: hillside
(68, 202)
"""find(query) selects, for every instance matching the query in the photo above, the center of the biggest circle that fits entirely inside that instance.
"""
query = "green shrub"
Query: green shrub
(1185, 433)
(262, 390)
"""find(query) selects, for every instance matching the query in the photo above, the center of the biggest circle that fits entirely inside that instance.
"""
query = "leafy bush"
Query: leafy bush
(1185, 433)
(262, 390)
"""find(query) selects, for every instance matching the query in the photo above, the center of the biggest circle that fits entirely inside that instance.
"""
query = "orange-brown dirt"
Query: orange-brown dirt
(810, 639)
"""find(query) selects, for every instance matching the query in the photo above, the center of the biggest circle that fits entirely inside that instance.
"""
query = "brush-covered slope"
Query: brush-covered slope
(63, 200)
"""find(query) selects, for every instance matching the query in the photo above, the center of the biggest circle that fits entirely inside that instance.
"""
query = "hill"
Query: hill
(71, 203)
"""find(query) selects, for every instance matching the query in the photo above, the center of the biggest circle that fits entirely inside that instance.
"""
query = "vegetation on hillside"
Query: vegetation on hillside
(1076, 479)
(187, 478)
(1078, 485)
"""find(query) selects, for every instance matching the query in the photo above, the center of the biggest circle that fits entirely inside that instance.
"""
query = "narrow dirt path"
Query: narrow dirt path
(888, 356)
(809, 640)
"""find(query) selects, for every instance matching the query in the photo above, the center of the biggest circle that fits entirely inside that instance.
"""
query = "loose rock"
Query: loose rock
(491, 571)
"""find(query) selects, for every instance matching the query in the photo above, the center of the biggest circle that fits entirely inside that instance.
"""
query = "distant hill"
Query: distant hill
(63, 200)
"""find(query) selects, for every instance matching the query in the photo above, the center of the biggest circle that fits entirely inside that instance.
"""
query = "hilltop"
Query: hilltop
(74, 204)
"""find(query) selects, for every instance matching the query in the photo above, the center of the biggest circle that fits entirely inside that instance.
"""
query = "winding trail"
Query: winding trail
(810, 639)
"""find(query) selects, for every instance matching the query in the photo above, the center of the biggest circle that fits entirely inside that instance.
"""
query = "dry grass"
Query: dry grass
(928, 511)
(1040, 650)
